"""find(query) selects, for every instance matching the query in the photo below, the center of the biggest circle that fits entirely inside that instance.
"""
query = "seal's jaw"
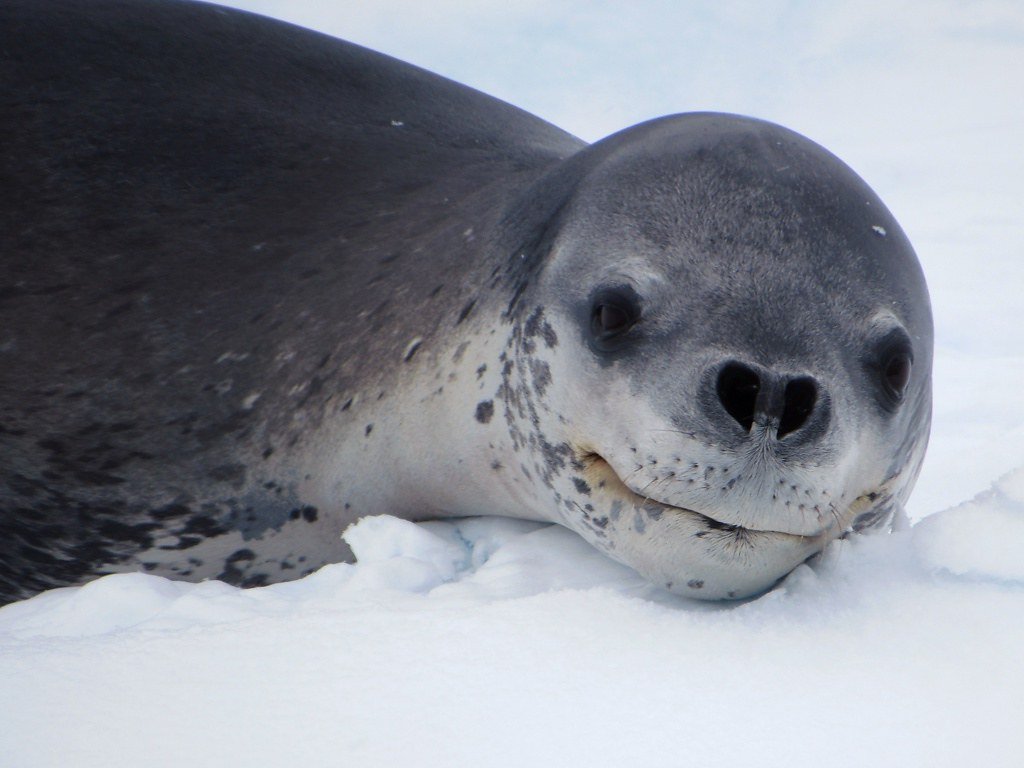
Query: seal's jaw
(684, 551)
(752, 487)
(715, 515)
(697, 554)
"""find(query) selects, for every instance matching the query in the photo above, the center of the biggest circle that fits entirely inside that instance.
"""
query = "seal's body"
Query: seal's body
(258, 283)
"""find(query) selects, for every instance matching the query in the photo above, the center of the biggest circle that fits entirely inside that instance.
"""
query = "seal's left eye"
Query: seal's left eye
(612, 318)
(613, 311)
(893, 364)
(897, 372)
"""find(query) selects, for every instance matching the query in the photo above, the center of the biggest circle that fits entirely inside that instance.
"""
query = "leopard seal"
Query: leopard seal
(259, 283)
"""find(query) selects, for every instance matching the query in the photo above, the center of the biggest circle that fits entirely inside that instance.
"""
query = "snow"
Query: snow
(496, 642)
(492, 642)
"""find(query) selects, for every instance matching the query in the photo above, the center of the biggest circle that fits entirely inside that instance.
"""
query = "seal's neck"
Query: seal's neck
(437, 445)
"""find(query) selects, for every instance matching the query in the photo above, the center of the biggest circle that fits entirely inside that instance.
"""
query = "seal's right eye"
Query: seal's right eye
(892, 364)
(613, 312)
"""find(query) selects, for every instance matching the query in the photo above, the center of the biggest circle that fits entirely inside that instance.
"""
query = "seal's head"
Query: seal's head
(721, 359)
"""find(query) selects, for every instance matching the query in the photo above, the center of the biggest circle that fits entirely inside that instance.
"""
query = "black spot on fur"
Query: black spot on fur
(184, 542)
(54, 447)
(484, 411)
(203, 525)
(465, 311)
(554, 458)
(254, 580)
(581, 485)
(369, 429)
(22, 486)
(235, 566)
(170, 512)
(536, 326)
(229, 473)
(541, 374)
(695, 583)
(88, 477)
(717, 526)
(138, 533)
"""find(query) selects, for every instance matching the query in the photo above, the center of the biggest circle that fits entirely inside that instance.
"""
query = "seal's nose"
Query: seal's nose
(750, 394)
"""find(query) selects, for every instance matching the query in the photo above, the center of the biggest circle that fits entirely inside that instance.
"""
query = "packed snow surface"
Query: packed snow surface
(492, 642)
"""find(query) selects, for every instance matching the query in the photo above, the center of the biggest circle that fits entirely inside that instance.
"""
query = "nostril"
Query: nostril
(799, 400)
(738, 387)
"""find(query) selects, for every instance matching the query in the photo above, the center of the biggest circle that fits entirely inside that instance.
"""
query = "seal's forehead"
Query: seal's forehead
(720, 179)
(735, 209)
(720, 168)
(728, 142)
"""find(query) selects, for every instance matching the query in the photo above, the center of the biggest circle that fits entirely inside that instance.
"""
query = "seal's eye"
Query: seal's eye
(893, 363)
(613, 312)
(897, 373)
(611, 318)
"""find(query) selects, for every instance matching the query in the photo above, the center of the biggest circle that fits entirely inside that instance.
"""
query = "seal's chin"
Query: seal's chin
(601, 474)
(687, 552)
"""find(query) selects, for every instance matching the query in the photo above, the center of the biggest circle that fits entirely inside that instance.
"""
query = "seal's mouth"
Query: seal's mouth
(600, 474)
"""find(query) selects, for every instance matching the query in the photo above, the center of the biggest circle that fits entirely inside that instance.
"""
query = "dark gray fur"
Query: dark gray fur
(182, 181)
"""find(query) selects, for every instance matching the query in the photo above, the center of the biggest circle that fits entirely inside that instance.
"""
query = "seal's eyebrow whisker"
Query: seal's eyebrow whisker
(662, 483)
(836, 516)
(580, 507)
(656, 482)
(631, 475)
(644, 489)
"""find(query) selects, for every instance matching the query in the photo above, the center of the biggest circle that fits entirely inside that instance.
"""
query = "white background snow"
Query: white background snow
(490, 642)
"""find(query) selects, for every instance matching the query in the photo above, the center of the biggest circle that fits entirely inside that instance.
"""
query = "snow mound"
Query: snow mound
(500, 642)
(982, 538)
